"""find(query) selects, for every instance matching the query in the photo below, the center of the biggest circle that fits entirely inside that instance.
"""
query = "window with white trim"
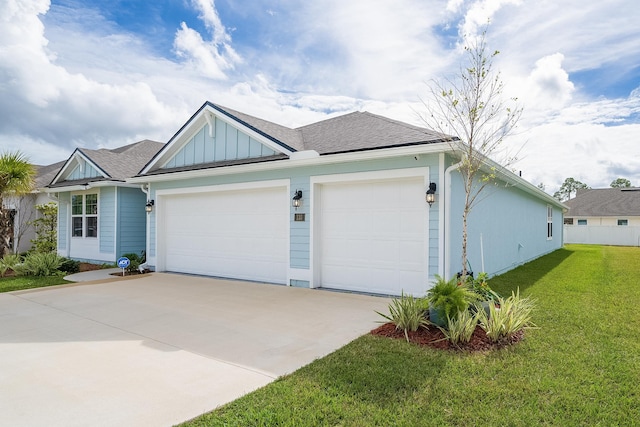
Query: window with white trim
(582, 222)
(84, 215)
(623, 222)
(568, 221)
(549, 222)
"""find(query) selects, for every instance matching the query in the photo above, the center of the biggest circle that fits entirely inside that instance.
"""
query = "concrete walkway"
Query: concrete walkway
(90, 276)
(160, 348)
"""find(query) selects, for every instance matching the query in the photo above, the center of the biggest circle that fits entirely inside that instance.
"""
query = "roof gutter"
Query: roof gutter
(91, 184)
(297, 161)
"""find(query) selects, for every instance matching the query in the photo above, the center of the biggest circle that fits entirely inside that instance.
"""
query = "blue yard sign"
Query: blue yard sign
(123, 262)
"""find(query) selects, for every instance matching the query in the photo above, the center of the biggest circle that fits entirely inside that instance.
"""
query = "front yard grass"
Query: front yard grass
(581, 367)
(18, 283)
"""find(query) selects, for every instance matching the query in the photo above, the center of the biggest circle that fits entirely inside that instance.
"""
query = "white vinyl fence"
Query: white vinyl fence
(613, 235)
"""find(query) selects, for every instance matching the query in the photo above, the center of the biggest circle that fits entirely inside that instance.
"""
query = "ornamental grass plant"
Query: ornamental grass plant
(507, 317)
(406, 313)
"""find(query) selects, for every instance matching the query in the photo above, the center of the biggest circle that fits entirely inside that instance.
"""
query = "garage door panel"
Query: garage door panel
(241, 234)
(373, 236)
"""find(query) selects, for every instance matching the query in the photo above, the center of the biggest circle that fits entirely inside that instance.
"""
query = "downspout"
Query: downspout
(447, 220)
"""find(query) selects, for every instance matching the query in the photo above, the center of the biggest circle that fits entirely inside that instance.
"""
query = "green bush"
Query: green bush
(39, 264)
(46, 228)
(9, 262)
(480, 285)
(134, 261)
(407, 313)
(506, 317)
(449, 298)
(69, 266)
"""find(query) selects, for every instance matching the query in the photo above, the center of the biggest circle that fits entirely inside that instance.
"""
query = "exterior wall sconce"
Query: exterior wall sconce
(431, 193)
(149, 206)
(297, 199)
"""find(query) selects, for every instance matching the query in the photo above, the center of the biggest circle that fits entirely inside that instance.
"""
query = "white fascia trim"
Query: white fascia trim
(517, 181)
(90, 185)
(294, 163)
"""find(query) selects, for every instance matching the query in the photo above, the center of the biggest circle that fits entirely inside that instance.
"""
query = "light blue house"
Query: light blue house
(100, 215)
(336, 204)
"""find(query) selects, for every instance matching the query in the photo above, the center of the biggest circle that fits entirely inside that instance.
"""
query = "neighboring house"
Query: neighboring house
(24, 208)
(604, 216)
(335, 204)
(100, 216)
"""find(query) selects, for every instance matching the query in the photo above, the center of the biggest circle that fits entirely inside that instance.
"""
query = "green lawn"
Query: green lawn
(581, 367)
(28, 282)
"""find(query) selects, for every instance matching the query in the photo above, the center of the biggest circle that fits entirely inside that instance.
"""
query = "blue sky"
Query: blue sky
(103, 74)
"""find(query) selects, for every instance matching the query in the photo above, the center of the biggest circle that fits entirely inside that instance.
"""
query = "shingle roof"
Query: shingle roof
(118, 163)
(350, 132)
(359, 131)
(44, 174)
(123, 162)
(288, 136)
(605, 202)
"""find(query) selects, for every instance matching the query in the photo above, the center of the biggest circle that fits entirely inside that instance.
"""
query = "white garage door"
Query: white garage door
(237, 234)
(373, 236)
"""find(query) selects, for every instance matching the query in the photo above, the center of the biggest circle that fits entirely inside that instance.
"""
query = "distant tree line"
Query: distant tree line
(570, 187)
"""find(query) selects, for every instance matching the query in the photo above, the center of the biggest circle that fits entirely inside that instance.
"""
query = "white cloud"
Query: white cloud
(479, 14)
(42, 101)
(211, 58)
(548, 86)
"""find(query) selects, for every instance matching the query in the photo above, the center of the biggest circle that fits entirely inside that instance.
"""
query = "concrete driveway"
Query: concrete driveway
(161, 348)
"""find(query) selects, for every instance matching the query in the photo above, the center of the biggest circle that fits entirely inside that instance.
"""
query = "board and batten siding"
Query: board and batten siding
(132, 225)
(300, 232)
(300, 239)
(107, 219)
(64, 200)
(228, 143)
(83, 171)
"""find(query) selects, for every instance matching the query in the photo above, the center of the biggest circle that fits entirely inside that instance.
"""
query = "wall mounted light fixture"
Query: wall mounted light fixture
(431, 193)
(149, 206)
(297, 199)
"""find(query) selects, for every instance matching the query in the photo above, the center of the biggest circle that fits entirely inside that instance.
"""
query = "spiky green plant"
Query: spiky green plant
(406, 313)
(509, 316)
(9, 261)
(39, 264)
(460, 329)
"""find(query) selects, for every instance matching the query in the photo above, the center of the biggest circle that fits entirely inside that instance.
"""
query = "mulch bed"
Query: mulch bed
(85, 266)
(433, 337)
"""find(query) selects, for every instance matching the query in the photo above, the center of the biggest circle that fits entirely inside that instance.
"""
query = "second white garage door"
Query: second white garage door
(240, 234)
(373, 236)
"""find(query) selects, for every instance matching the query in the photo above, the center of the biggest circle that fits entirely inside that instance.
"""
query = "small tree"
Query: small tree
(16, 178)
(620, 183)
(23, 220)
(46, 228)
(568, 187)
(472, 110)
